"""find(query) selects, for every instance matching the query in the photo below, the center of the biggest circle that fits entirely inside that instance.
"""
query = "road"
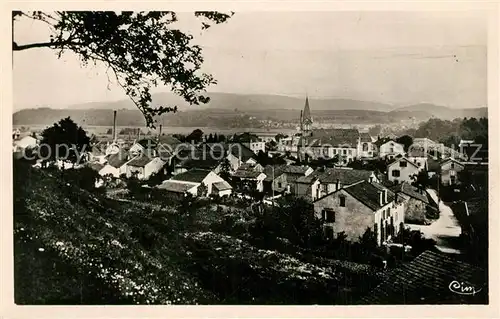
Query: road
(445, 230)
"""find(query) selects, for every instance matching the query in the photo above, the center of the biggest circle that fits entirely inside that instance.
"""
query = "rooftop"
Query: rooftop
(222, 185)
(193, 175)
(176, 186)
(118, 159)
(411, 191)
(426, 280)
(333, 137)
(368, 194)
(140, 160)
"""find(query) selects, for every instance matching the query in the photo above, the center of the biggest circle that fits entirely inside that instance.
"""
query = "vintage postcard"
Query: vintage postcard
(242, 155)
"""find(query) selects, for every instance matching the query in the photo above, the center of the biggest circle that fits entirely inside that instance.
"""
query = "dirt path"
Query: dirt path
(445, 230)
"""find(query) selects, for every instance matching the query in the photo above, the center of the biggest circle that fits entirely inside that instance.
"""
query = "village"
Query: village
(382, 193)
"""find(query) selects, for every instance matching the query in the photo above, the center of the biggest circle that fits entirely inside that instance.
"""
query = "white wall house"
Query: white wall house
(449, 171)
(391, 149)
(188, 182)
(256, 146)
(144, 166)
(402, 170)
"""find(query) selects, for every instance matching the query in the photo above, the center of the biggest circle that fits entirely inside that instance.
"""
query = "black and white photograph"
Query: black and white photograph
(250, 158)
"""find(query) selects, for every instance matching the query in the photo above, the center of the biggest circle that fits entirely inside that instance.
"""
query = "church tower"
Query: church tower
(306, 119)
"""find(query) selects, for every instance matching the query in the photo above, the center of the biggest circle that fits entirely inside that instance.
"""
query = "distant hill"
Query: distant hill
(443, 112)
(243, 102)
(243, 110)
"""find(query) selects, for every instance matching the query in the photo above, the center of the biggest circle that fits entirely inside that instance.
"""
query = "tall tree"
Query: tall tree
(64, 141)
(406, 141)
(141, 49)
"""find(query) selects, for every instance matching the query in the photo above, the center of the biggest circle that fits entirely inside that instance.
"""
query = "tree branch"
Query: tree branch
(17, 47)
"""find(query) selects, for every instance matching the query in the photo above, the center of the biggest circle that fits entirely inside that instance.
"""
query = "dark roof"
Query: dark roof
(240, 151)
(193, 175)
(246, 138)
(333, 137)
(168, 140)
(200, 158)
(426, 280)
(345, 176)
(140, 160)
(365, 137)
(222, 185)
(330, 175)
(175, 186)
(147, 143)
(411, 191)
(268, 170)
(246, 173)
(118, 159)
(368, 194)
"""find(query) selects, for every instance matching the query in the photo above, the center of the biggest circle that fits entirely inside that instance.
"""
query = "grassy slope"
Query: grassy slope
(97, 250)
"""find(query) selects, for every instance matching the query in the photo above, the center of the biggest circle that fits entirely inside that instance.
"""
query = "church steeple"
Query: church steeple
(307, 112)
(306, 119)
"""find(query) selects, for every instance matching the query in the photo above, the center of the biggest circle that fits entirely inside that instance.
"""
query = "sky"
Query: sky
(392, 57)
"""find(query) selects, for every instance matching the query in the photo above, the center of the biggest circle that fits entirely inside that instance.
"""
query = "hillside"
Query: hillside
(243, 111)
(244, 102)
(443, 112)
(78, 247)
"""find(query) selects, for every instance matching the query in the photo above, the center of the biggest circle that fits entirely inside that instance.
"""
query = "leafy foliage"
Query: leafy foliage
(406, 141)
(142, 50)
(64, 140)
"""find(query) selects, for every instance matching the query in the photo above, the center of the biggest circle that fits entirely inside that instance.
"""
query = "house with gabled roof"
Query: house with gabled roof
(330, 143)
(144, 166)
(390, 150)
(282, 178)
(418, 206)
(402, 170)
(325, 180)
(116, 164)
(449, 170)
(355, 208)
(190, 181)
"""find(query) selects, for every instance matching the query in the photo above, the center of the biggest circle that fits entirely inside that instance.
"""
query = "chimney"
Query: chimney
(380, 198)
(385, 196)
(114, 126)
(338, 184)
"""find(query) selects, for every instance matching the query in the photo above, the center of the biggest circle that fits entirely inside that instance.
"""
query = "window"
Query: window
(342, 201)
(403, 164)
(328, 215)
(392, 150)
(334, 151)
(344, 152)
(350, 152)
(452, 165)
(396, 173)
(324, 188)
(279, 184)
(365, 147)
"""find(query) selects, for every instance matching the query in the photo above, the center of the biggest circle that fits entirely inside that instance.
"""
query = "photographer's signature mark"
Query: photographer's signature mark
(463, 288)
